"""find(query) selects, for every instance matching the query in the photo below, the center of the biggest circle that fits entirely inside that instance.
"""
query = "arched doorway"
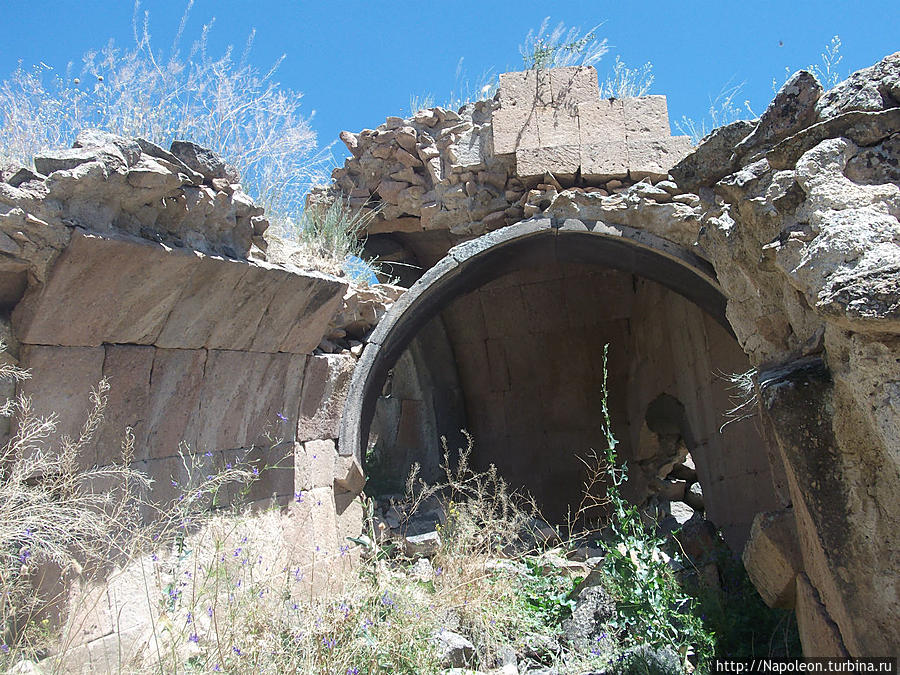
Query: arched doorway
(527, 310)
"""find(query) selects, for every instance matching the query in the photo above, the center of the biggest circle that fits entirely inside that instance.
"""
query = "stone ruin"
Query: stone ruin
(539, 226)
(530, 230)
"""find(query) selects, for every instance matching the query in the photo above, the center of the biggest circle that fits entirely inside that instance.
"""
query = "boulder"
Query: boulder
(792, 109)
(455, 650)
(711, 159)
(202, 160)
(873, 88)
(772, 557)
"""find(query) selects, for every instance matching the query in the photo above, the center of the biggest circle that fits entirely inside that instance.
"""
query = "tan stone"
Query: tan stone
(556, 127)
(819, 634)
(325, 387)
(600, 160)
(518, 90)
(772, 557)
(561, 160)
(314, 463)
(601, 121)
(348, 475)
(249, 398)
(654, 157)
(572, 85)
(514, 128)
(100, 291)
(646, 117)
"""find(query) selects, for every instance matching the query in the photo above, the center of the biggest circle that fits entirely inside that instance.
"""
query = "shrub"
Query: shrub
(54, 515)
(559, 47)
(222, 102)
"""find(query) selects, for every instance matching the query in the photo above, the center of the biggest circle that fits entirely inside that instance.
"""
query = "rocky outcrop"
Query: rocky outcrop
(803, 233)
(111, 185)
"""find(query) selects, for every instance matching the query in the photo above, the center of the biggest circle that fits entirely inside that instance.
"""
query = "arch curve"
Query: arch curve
(472, 264)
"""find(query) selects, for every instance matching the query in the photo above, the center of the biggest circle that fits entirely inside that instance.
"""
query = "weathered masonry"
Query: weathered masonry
(546, 223)
(530, 230)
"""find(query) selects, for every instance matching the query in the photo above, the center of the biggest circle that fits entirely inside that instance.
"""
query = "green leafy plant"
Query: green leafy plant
(546, 48)
(651, 607)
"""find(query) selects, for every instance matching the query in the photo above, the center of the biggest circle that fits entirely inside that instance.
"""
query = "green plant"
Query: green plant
(559, 47)
(332, 234)
(743, 626)
(651, 607)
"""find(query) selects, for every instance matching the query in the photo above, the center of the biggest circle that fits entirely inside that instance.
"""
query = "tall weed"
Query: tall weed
(222, 102)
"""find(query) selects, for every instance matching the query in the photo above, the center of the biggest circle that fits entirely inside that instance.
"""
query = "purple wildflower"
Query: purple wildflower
(194, 638)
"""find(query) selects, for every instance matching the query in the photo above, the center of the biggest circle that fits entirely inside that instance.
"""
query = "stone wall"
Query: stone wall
(796, 215)
(148, 268)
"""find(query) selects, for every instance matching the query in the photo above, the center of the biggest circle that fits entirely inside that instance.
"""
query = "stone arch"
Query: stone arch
(530, 242)
(537, 243)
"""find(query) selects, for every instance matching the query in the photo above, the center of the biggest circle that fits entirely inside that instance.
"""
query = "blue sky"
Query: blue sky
(357, 62)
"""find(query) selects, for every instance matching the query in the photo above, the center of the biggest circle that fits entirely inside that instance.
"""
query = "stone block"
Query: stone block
(602, 161)
(277, 473)
(61, 382)
(320, 297)
(100, 291)
(646, 117)
(518, 90)
(497, 368)
(601, 121)
(654, 157)
(299, 312)
(819, 634)
(572, 85)
(467, 151)
(544, 96)
(404, 224)
(325, 387)
(349, 515)
(411, 425)
(602, 136)
(514, 128)
(561, 161)
(314, 463)
(556, 127)
(249, 398)
(128, 369)
(772, 557)
(174, 407)
(348, 475)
